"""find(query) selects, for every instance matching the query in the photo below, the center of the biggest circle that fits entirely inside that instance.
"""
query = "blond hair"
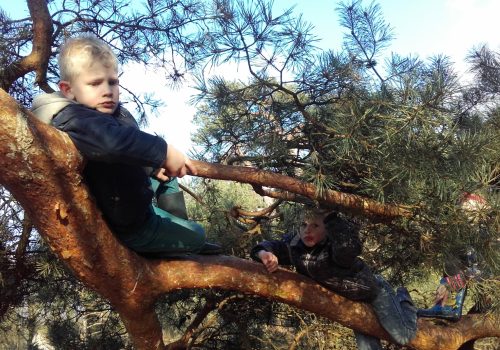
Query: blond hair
(314, 212)
(81, 52)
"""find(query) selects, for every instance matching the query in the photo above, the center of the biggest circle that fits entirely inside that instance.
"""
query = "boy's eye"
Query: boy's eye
(303, 224)
(114, 82)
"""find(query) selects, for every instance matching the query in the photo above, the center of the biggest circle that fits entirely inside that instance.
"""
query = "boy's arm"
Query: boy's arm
(177, 164)
(280, 249)
(102, 138)
(269, 260)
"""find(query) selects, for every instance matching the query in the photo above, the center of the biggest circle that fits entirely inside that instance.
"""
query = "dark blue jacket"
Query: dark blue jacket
(334, 263)
(116, 152)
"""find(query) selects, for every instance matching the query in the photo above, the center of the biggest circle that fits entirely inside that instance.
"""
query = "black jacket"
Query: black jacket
(116, 152)
(334, 263)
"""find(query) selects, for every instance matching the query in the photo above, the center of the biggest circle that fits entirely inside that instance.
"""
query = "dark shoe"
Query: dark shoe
(210, 249)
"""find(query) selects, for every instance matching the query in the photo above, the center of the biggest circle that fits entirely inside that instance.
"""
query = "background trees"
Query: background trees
(405, 132)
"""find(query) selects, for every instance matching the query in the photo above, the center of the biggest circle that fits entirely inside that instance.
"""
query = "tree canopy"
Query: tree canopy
(394, 145)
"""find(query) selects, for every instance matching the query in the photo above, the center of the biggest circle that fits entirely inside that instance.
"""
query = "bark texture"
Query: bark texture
(41, 168)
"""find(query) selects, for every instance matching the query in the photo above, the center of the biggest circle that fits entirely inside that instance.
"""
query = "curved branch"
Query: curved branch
(343, 201)
(192, 194)
(38, 59)
(285, 286)
(237, 211)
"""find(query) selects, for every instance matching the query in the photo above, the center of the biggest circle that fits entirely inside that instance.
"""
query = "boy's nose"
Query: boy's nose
(108, 91)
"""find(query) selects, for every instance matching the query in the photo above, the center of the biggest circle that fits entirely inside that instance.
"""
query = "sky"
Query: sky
(422, 28)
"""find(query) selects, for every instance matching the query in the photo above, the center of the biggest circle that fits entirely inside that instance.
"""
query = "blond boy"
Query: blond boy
(88, 109)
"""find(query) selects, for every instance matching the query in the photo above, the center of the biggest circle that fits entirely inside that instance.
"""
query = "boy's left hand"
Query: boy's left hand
(176, 163)
(160, 174)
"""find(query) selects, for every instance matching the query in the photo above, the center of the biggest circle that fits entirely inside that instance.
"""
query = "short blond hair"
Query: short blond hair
(80, 52)
(315, 212)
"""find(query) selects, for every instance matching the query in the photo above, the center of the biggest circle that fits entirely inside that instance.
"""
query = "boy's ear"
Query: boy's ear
(65, 87)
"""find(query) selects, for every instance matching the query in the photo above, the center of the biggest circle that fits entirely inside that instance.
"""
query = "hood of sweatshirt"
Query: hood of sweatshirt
(46, 106)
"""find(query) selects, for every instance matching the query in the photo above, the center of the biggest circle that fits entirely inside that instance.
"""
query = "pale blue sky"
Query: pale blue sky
(421, 27)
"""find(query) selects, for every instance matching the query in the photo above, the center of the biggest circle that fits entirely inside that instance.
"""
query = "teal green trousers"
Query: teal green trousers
(164, 234)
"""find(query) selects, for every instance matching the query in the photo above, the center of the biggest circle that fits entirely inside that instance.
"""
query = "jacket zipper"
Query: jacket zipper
(307, 261)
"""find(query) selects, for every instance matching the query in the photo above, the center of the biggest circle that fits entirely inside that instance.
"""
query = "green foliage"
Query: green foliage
(219, 198)
(407, 133)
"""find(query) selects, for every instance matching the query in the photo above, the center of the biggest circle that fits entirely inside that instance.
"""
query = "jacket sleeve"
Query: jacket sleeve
(279, 248)
(102, 138)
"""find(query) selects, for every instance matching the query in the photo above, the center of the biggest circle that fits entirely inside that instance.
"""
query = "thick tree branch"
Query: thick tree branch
(41, 168)
(343, 201)
(38, 59)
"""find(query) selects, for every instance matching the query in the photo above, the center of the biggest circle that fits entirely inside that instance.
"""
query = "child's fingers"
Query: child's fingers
(192, 170)
(270, 267)
(271, 264)
(182, 172)
(160, 174)
(273, 267)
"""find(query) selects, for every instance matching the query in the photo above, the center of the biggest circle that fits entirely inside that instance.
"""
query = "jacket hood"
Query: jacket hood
(45, 106)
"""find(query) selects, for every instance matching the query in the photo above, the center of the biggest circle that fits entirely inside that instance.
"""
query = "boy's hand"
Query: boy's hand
(269, 260)
(176, 164)
(191, 167)
(160, 174)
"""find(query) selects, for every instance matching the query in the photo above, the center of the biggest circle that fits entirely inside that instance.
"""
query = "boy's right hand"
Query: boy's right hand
(177, 164)
(269, 260)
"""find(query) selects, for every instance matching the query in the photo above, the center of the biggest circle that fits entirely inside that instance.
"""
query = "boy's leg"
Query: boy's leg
(451, 312)
(166, 235)
(367, 342)
(169, 197)
(396, 313)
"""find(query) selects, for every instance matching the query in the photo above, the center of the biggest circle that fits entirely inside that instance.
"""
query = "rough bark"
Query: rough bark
(41, 168)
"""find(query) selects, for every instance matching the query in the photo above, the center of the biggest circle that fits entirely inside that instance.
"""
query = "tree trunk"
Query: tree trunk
(41, 168)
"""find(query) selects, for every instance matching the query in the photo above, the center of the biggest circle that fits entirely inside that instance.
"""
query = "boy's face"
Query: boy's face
(312, 231)
(95, 87)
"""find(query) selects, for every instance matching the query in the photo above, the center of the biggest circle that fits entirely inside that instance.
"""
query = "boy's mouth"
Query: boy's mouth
(108, 104)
